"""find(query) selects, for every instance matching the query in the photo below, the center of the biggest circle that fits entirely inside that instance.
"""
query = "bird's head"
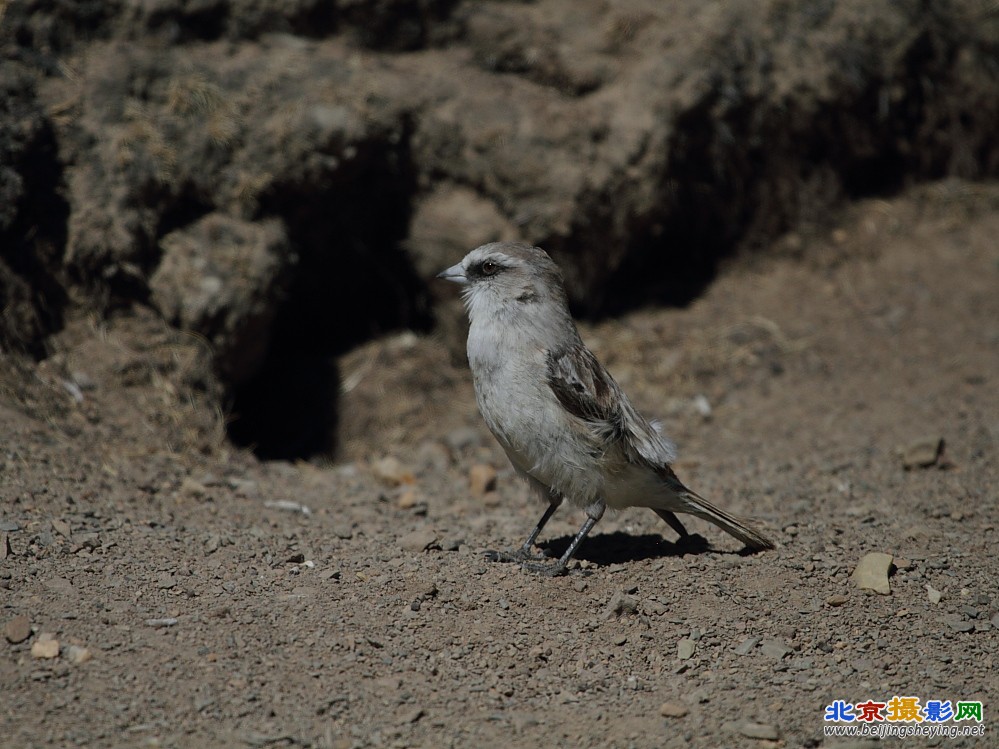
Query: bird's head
(509, 280)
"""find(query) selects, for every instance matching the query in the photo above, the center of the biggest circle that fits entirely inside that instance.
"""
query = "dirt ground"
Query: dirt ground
(200, 597)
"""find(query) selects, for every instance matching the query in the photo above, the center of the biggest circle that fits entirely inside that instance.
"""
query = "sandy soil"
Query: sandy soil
(202, 598)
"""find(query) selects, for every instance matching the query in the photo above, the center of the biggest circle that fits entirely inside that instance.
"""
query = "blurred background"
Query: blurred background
(248, 194)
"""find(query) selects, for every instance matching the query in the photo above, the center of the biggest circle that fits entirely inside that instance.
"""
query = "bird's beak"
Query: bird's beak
(455, 273)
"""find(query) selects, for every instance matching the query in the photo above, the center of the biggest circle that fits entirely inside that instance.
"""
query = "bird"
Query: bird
(564, 422)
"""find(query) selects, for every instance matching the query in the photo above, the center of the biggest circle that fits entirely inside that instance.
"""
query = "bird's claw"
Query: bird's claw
(548, 570)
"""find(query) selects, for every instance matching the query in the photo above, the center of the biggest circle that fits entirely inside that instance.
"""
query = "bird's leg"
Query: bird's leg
(594, 512)
(523, 554)
(672, 521)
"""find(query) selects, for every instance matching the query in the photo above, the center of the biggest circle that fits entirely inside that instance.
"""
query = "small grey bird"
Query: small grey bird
(565, 424)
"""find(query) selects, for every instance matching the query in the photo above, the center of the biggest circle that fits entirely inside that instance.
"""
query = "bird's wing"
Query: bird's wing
(587, 391)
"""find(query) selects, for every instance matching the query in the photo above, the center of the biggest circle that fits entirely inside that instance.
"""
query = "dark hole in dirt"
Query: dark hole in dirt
(353, 282)
(182, 211)
(33, 246)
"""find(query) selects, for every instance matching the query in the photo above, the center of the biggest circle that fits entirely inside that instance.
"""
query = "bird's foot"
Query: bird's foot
(521, 555)
(548, 570)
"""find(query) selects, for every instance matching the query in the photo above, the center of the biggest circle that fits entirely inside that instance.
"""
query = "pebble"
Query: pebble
(673, 710)
(492, 499)
(620, 603)
(654, 608)
(763, 731)
(837, 599)
(62, 528)
(78, 655)
(871, 573)
(413, 715)
(418, 540)
(391, 471)
(747, 645)
(922, 453)
(46, 646)
(160, 623)
(452, 544)
(17, 629)
(5, 550)
(166, 581)
(212, 543)
(774, 649)
(685, 649)
(933, 594)
(288, 506)
(959, 625)
(407, 500)
(481, 479)
(619, 639)
(9, 526)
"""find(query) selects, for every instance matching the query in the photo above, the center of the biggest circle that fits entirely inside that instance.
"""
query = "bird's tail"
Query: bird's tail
(698, 506)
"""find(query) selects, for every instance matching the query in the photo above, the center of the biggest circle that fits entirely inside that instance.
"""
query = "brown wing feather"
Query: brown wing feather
(585, 389)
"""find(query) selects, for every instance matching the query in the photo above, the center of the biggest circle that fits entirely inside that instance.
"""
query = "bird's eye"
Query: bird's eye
(489, 267)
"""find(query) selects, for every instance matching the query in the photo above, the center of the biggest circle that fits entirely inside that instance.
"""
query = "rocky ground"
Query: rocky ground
(161, 588)
(244, 492)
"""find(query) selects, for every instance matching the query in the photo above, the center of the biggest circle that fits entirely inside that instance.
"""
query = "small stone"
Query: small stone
(774, 649)
(46, 646)
(619, 639)
(959, 625)
(620, 603)
(413, 715)
(492, 499)
(922, 453)
(288, 506)
(192, 488)
(933, 594)
(62, 528)
(9, 526)
(654, 608)
(161, 623)
(391, 471)
(685, 649)
(673, 710)
(17, 629)
(763, 731)
(166, 581)
(5, 550)
(418, 540)
(407, 500)
(452, 544)
(481, 479)
(746, 646)
(872, 573)
(77, 654)
(837, 599)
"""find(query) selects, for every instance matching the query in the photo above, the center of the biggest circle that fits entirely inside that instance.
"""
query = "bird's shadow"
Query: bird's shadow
(619, 547)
